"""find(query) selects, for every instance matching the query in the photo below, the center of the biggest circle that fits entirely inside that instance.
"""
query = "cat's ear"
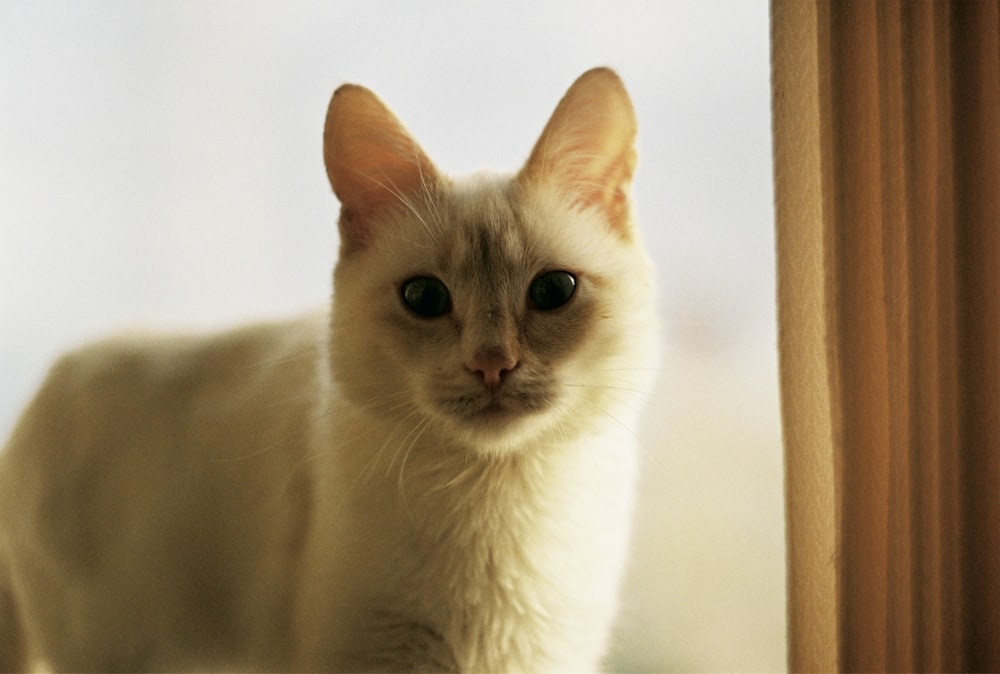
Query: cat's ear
(587, 149)
(371, 160)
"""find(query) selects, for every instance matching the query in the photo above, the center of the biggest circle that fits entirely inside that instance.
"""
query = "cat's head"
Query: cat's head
(494, 311)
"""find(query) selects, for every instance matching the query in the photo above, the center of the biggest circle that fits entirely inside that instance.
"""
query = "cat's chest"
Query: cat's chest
(488, 561)
(493, 561)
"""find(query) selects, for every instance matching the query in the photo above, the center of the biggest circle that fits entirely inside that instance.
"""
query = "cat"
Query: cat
(434, 475)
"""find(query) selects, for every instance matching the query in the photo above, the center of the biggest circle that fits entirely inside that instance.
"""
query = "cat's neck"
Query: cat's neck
(484, 547)
(513, 536)
(409, 459)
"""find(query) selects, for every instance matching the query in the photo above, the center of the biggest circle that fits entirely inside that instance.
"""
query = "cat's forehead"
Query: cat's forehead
(488, 232)
(487, 249)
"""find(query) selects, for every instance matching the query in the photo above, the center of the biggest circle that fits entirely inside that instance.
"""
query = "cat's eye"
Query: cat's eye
(552, 290)
(426, 296)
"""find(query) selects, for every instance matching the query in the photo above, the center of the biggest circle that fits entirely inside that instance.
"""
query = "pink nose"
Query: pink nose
(492, 366)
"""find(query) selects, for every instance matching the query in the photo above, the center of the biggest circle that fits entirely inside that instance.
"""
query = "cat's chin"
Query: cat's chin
(496, 440)
(498, 430)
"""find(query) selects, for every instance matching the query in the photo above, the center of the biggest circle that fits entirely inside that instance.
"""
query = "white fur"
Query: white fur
(297, 496)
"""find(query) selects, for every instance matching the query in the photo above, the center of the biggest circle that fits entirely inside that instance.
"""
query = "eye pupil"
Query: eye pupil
(552, 290)
(426, 296)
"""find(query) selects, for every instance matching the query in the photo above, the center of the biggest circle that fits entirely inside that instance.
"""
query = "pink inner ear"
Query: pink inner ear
(616, 197)
(587, 149)
(371, 160)
(364, 196)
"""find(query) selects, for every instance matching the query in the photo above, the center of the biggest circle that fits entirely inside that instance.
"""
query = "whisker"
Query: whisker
(415, 434)
(611, 387)
(388, 185)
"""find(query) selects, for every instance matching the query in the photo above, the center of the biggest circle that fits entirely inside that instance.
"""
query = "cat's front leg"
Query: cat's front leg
(392, 641)
(13, 647)
(383, 641)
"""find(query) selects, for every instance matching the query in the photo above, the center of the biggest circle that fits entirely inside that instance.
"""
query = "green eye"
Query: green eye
(552, 290)
(426, 296)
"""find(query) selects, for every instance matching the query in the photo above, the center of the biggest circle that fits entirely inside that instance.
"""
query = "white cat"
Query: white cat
(437, 476)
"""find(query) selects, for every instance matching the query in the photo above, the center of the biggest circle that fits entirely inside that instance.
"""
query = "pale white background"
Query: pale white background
(160, 165)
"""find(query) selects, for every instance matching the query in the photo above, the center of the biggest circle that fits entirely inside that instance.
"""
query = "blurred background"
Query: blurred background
(161, 166)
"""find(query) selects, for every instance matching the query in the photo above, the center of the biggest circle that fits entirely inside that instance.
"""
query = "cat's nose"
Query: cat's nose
(492, 365)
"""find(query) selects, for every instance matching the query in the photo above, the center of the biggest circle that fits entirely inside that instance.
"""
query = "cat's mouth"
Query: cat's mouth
(498, 408)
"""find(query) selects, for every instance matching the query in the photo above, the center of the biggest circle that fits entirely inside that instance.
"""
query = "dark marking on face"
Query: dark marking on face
(491, 254)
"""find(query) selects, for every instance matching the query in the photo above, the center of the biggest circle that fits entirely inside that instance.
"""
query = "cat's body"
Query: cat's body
(437, 476)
